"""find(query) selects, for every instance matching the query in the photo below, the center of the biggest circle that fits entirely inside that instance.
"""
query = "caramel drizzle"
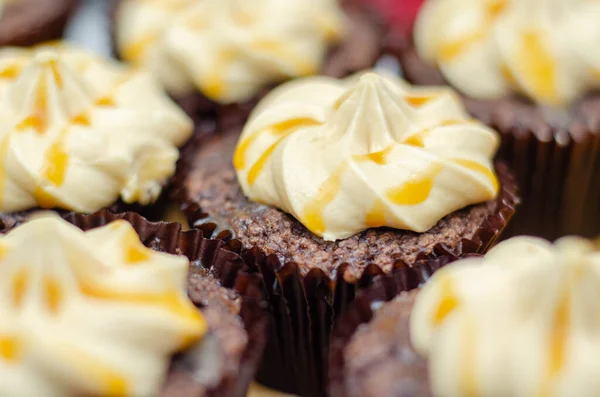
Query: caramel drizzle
(557, 345)
(538, 66)
(280, 50)
(110, 380)
(449, 301)
(417, 189)
(467, 379)
(480, 168)
(450, 50)
(312, 215)
(282, 130)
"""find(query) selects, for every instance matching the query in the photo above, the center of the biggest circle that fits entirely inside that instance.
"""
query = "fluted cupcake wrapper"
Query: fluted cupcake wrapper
(361, 311)
(304, 307)
(154, 211)
(35, 25)
(227, 266)
(554, 153)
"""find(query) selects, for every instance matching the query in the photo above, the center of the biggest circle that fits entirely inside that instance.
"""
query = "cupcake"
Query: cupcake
(81, 133)
(119, 321)
(511, 324)
(217, 57)
(29, 22)
(332, 181)
(528, 69)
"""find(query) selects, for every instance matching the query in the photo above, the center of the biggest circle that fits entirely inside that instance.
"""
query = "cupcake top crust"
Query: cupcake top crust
(543, 49)
(523, 321)
(227, 49)
(79, 132)
(89, 313)
(343, 156)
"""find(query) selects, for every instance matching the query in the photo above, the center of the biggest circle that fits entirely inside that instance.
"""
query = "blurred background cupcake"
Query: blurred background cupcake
(82, 133)
(335, 180)
(217, 57)
(520, 322)
(29, 22)
(529, 69)
(97, 313)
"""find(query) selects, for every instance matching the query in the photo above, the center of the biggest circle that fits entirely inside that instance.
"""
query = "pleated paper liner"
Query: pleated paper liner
(361, 311)
(304, 308)
(360, 50)
(554, 153)
(153, 212)
(228, 268)
(27, 25)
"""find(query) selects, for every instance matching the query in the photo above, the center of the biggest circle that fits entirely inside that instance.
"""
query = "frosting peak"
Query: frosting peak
(70, 120)
(228, 49)
(543, 49)
(94, 313)
(346, 155)
(45, 81)
(523, 321)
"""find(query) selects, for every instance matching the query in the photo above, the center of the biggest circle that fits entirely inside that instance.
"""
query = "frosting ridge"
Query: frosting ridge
(520, 322)
(343, 156)
(540, 48)
(231, 55)
(78, 132)
(92, 313)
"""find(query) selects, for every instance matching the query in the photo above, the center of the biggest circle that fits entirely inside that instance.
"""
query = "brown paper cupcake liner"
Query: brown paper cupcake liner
(227, 266)
(362, 310)
(555, 156)
(26, 25)
(304, 308)
(152, 212)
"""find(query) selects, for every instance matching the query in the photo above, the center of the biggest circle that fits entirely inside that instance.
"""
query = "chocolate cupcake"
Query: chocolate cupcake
(333, 181)
(217, 57)
(30, 22)
(519, 322)
(528, 69)
(97, 313)
(82, 133)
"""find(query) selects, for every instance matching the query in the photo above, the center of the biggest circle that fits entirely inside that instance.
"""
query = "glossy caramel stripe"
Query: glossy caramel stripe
(467, 379)
(417, 189)
(449, 300)
(312, 215)
(557, 346)
(480, 168)
(283, 128)
(448, 51)
(537, 66)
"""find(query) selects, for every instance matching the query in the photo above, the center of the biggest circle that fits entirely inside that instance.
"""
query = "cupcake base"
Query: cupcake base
(365, 348)
(309, 281)
(29, 22)
(555, 154)
(224, 362)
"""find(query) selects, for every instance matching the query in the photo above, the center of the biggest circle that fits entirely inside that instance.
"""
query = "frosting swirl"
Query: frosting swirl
(522, 321)
(543, 49)
(343, 156)
(227, 49)
(78, 132)
(94, 314)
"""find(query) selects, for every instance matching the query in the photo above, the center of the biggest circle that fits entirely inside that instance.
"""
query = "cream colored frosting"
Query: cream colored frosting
(544, 49)
(79, 132)
(521, 322)
(227, 49)
(89, 314)
(343, 156)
